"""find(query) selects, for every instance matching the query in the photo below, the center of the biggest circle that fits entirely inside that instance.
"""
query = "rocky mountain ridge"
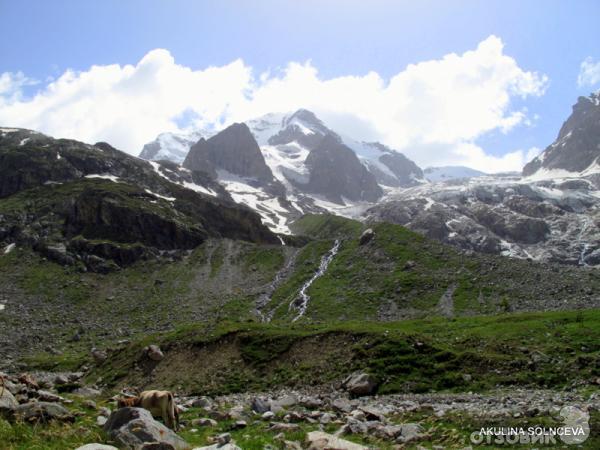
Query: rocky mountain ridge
(550, 214)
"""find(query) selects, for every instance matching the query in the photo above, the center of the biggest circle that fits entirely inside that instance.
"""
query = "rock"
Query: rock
(260, 406)
(223, 439)
(283, 403)
(354, 426)
(373, 413)
(326, 418)
(319, 440)
(104, 411)
(285, 427)
(7, 401)
(156, 446)
(99, 356)
(201, 402)
(131, 427)
(341, 405)
(410, 432)
(292, 445)
(62, 379)
(359, 384)
(86, 392)
(268, 415)
(204, 422)
(96, 447)
(366, 236)
(101, 420)
(239, 424)
(28, 381)
(41, 412)
(89, 404)
(153, 352)
(45, 396)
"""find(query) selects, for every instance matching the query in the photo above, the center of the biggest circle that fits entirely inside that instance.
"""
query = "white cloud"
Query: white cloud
(433, 111)
(589, 73)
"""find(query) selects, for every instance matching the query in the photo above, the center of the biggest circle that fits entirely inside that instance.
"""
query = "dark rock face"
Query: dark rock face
(406, 172)
(76, 203)
(336, 172)
(233, 149)
(578, 143)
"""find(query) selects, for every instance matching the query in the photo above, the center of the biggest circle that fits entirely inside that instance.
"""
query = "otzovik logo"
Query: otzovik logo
(574, 430)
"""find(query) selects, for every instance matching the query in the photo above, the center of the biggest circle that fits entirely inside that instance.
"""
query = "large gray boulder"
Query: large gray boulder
(41, 412)
(319, 440)
(7, 400)
(360, 383)
(134, 427)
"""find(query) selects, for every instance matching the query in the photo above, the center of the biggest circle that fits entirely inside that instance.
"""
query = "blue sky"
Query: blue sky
(41, 40)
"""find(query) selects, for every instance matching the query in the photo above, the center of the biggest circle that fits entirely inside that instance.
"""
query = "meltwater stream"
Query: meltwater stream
(301, 302)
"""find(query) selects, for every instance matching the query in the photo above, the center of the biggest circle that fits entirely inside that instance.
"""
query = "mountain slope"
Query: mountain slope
(577, 147)
(97, 206)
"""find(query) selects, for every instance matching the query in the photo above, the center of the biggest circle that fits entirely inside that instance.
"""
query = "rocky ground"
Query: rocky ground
(313, 418)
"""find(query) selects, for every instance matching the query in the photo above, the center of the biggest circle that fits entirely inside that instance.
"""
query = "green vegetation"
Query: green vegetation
(533, 349)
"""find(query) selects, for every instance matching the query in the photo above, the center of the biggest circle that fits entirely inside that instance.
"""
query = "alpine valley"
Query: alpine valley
(276, 273)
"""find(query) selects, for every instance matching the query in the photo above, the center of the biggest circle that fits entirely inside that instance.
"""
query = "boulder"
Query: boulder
(7, 401)
(153, 352)
(41, 412)
(99, 356)
(410, 432)
(45, 396)
(133, 427)
(260, 406)
(86, 392)
(366, 236)
(341, 405)
(360, 383)
(318, 440)
(96, 447)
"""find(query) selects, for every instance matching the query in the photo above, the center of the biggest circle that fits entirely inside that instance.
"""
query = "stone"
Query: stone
(101, 420)
(104, 411)
(268, 415)
(99, 356)
(86, 392)
(354, 426)
(260, 405)
(7, 401)
(132, 427)
(284, 427)
(239, 424)
(95, 446)
(156, 446)
(62, 379)
(359, 384)
(224, 438)
(45, 396)
(410, 432)
(201, 402)
(154, 352)
(41, 412)
(283, 403)
(341, 405)
(89, 404)
(319, 440)
(366, 236)
(204, 422)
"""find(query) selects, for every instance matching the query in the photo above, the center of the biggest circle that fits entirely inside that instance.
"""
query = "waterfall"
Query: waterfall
(301, 302)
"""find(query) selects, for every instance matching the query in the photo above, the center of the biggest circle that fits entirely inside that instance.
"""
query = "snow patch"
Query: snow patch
(169, 199)
(24, 141)
(104, 177)
(9, 248)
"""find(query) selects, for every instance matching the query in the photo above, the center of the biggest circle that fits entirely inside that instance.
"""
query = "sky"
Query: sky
(486, 84)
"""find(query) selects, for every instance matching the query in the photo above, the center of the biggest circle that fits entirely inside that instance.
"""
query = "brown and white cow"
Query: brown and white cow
(159, 403)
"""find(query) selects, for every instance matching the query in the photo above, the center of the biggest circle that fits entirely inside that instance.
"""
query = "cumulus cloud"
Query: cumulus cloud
(433, 111)
(589, 73)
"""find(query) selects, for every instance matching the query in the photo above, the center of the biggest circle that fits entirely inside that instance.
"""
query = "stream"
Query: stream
(301, 303)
